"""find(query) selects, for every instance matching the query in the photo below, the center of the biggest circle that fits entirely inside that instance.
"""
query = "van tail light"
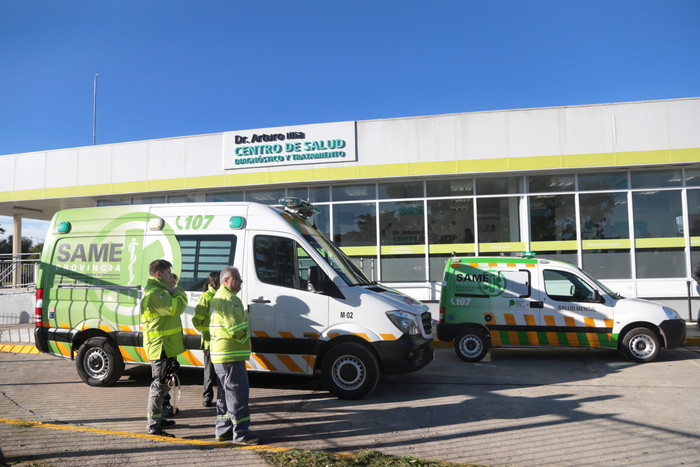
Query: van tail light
(442, 314)
(38, 319)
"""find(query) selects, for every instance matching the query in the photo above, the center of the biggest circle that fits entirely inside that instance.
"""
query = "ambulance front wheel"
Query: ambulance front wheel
(350, 370)
(99, 362)
(471, 344)
(641, 345)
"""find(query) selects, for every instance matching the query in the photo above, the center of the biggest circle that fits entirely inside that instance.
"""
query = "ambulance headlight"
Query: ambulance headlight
(671, 313)
(406, 322)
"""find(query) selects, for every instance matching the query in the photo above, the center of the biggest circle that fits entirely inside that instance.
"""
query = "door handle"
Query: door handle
(260, 300)
(536, 305)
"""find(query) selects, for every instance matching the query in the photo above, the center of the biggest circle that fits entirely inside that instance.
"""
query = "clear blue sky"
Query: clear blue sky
(176, 68)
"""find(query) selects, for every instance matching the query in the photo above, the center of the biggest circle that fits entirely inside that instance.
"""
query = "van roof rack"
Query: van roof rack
(299, 206)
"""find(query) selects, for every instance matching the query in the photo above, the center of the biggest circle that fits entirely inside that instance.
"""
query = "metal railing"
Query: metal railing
(18, 271)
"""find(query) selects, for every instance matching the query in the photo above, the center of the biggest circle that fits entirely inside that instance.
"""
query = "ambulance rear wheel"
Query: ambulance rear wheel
(99, 362)
(471, 344)
(350, 371)
(641, 345)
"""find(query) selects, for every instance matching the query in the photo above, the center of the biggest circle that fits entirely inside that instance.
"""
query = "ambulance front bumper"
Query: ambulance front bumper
(408, 353)
(674, 332)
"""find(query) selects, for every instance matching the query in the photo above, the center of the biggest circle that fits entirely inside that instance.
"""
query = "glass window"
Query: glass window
(657, 214)
(656, 179)
(565, 286)
(692, 177)
(202, 255)
(451, 221)
(497, 186)
(403, 268)
(401, 223)
(401, 190)
(498, 220)
(608, 264)
(354, 192)
(113, 201)
(366, 264)
(437, 266)
(264, 196)
(604, 215)
(355, 224)
(552, 217)
(319, 194)
(322, 220)
(694, 212)
(548, 183)
(299, 192)
(613, 181)
(457, 187)
(282, 262)
(660, 262)
(181, 199)
(223, 197)
(150, 200)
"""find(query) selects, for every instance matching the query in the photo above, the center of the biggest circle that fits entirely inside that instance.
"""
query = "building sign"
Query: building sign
(293, 145)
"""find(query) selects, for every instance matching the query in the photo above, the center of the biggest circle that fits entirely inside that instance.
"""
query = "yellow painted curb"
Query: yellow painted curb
(125, 434)
(18, 348)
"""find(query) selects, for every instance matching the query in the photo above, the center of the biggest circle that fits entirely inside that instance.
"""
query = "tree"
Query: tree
(6, 245)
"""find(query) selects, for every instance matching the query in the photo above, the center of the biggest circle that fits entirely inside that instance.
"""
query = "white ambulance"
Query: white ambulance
(311, 309)
(509, 301)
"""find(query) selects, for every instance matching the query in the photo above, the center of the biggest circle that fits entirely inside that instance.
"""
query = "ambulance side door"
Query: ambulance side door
(286, 316)
(574, 313)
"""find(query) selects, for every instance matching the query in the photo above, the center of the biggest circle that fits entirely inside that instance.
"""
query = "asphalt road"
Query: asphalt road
(516, 407)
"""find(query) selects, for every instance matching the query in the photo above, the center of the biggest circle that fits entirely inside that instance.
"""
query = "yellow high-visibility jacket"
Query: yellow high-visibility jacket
(202, 316)
(230, 337)
(160, 319)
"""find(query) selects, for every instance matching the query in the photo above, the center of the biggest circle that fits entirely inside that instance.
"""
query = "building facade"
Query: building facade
(612, 188)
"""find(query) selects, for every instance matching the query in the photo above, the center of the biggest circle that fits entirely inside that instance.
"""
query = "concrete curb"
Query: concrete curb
(24, 334)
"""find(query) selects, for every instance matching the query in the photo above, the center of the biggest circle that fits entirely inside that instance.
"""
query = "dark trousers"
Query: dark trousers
(158, 390)
(232, 411)
(209, 377)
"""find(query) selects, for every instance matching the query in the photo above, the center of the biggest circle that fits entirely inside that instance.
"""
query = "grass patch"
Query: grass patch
(367, 457)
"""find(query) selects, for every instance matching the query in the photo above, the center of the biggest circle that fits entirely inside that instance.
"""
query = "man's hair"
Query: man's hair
(228, 271)
(159, 265)
(212, 280)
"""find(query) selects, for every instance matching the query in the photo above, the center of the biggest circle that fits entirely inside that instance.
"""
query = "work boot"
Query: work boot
(159, 432)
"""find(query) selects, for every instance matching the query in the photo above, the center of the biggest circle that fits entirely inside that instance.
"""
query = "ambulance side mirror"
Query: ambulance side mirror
(597, 297)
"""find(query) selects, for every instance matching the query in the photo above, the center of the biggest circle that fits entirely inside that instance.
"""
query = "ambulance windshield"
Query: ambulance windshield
(349, 271)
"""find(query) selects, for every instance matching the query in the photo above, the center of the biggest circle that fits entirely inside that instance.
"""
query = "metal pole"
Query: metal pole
(94, 112)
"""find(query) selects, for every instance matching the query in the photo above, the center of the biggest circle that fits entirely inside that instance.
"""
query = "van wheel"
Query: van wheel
(350, 371)
(471, 344)
(99, 362)
(641, 345)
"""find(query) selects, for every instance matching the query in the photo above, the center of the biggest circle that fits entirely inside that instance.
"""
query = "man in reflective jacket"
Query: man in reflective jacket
(230, 348)
(200, 321)
(161, 308)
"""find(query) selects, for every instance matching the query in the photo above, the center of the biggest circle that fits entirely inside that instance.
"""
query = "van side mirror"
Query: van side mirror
(597, 297)
(319, 282)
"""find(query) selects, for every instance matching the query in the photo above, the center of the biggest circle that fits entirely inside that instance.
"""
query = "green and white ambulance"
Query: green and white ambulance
(510, 301)
(311, 309)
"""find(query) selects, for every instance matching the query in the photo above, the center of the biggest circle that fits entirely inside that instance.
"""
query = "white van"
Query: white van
(508, 301)
(311, 309)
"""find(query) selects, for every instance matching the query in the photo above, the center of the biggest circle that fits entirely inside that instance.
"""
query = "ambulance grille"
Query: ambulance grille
(427, 322)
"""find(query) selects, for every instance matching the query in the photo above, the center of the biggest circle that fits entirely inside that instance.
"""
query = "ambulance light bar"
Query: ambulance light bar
(299, 206)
